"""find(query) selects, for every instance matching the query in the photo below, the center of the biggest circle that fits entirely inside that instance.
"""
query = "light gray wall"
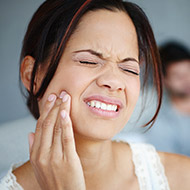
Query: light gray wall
(14, 17)
(169, 19)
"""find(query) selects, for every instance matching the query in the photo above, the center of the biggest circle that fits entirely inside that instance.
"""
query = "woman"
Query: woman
(80, 64)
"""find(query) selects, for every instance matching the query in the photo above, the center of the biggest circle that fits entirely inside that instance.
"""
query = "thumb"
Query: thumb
(30, 140)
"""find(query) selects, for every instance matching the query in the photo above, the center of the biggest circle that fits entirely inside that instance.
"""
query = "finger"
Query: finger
(48, 127)
(30, 140)
(68, 141)
(57, 138)
(47, 107)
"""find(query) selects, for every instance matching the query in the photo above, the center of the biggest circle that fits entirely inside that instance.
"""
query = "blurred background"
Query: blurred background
(169, 19)
(14, 17)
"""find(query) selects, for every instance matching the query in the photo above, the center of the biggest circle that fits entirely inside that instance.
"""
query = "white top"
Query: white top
(9, 181)
(148, 168)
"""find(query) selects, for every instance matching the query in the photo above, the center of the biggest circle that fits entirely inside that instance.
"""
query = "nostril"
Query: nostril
(112, 87)
(110, 82)
(119, 88)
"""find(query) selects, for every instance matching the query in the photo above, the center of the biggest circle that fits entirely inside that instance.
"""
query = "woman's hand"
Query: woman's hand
(52, 148)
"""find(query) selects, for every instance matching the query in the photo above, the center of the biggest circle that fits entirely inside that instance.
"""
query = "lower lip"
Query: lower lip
(103, 113)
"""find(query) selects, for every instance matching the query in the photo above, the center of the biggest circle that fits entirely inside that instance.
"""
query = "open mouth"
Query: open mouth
(103, 106)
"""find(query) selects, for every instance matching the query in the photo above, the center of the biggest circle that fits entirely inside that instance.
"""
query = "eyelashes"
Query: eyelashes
(88, 62)
(95, 63)
(130, 71)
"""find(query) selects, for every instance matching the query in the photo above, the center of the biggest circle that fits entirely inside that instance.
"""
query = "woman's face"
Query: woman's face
(97, 70)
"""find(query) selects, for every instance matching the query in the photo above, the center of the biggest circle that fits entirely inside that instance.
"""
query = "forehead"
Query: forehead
(106, 31)
(179, 67)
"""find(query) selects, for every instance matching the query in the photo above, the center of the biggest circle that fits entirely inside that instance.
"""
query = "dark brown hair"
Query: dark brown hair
(172, 52)
(54, 22)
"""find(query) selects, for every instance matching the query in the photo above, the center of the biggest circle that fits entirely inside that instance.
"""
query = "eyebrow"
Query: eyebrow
(101, 56)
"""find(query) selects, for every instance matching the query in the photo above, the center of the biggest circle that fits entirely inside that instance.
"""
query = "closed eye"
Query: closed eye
(130, 71)
(88, 62)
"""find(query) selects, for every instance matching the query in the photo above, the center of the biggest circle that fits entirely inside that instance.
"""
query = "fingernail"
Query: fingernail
(62, 94)
(51, 97)
(63, 114)
(65, 98)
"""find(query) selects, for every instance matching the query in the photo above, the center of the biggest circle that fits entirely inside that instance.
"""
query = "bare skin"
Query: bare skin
(177, 169)
(108, 166)
(75, 151)
(174, 165)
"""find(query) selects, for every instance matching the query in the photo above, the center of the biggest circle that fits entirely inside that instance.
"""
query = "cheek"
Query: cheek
(133, 90)
(132, 97)
(76, 83)
(173, 82)
(132, 94)
(70, 80)
(60, 82)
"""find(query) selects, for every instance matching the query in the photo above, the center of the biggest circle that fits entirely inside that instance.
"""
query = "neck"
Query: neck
(97, 160)
(94, 155)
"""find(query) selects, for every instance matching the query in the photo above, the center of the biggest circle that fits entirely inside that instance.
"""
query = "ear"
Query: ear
(26, 71)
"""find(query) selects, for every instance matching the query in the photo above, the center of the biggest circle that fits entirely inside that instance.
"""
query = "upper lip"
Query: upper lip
(104, 99)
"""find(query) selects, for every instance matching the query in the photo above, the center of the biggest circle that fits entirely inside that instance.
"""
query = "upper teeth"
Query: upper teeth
(102, 106)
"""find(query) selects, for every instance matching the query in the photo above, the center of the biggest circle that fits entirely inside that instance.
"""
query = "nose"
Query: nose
(111, 81)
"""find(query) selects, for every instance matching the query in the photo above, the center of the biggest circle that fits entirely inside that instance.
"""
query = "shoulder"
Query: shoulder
(177, 169)
(25, 176)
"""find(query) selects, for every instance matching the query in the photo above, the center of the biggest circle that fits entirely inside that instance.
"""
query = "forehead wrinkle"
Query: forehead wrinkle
(108, 49)
(108, 53)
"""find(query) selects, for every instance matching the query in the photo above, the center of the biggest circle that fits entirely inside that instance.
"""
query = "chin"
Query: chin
(93, 136)
(94, 127)
(97, 131)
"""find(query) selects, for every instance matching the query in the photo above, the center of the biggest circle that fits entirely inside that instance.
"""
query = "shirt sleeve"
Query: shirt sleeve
(9, 182)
